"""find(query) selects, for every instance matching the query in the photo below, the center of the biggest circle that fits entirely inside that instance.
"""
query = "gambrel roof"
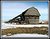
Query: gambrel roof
(32, 11)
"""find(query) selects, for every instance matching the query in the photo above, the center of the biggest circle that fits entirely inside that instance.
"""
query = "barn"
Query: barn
(29, 16)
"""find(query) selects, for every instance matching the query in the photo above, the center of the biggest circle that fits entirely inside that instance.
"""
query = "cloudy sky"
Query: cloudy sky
(10, 10)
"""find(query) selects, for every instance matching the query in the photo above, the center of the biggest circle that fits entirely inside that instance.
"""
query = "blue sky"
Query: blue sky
(10, 10)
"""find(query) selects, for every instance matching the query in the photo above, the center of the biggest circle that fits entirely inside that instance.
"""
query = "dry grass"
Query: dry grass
(39, 30)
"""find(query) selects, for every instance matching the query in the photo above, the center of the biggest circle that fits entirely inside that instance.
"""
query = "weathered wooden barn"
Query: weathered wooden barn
(29, 16)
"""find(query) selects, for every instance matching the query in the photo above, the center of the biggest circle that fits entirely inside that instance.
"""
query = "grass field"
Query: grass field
(19, 30)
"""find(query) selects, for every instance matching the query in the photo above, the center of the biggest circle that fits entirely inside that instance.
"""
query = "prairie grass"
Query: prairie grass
(31, 30)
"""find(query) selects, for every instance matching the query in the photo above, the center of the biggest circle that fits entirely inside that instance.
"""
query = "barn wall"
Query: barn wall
(32, 19)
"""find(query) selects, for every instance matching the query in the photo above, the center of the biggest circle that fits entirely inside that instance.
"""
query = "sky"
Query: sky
(11, 9)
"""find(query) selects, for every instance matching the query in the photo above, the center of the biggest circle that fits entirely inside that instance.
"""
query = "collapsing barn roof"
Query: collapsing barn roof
(30, 11)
